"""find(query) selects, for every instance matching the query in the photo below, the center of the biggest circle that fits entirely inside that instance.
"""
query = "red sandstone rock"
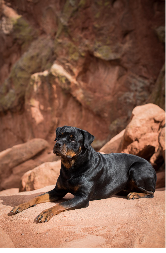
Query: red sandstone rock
(41, 176)
(20, 153)
(141, 134)
(113, 145)
(162, 141)
(108, 223)
(160, 179)
(110, 60)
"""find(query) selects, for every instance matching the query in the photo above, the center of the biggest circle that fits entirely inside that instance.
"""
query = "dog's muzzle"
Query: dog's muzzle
(57, 148)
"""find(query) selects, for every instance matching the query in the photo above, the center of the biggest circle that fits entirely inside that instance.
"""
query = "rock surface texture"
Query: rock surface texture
(18, 154)
(80, 63)
(43, 175)
(108, 223)
(144, 136)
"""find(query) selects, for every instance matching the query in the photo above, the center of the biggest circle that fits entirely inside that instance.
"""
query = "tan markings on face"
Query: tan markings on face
(70, 153)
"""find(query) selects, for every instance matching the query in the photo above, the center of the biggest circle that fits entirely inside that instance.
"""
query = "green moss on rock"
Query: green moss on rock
(23, 32)
(36, 59)
(69, 8)
(106, 52)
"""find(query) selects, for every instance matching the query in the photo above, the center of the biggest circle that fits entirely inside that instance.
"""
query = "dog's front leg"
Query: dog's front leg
(40, 199)
(50, 196)
(77, 202)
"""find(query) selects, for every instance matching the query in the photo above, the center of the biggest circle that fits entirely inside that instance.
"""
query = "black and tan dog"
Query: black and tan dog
(89, 175)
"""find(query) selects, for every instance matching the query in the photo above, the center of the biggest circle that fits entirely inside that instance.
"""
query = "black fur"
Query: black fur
(92, 175)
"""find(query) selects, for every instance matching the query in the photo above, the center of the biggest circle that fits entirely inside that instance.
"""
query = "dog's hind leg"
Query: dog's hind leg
(137, 195)
(142, 181)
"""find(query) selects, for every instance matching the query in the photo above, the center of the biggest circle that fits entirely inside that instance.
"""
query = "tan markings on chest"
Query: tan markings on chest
(67, 164)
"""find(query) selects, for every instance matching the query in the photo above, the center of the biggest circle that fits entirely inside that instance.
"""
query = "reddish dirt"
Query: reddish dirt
(114, 222)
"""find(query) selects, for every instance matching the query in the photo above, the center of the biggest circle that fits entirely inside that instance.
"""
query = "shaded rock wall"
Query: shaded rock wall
(81, 63)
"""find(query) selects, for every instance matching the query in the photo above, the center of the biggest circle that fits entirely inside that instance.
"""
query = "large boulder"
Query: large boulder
(113, 145)
(14, 180)
(107, 223)
(18, 154)
(144, 136)
(41, 176)
(141, 134)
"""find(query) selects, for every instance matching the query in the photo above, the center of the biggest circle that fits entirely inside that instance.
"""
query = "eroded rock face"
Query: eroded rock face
(80, 63)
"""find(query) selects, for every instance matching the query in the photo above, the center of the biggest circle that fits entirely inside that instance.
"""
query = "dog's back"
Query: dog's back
(115, 172)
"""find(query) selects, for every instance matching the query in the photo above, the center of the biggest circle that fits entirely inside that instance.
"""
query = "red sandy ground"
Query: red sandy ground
(113, 222)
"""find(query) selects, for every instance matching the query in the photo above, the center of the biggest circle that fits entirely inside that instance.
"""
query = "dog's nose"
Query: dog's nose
(58, 144)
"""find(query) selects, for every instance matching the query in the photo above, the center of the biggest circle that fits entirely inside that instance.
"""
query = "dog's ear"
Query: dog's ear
(88, 138)
(57, 132)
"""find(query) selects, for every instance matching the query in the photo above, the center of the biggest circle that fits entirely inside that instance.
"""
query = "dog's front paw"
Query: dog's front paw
(18, 209)
(15, 210)
(47, 214)
(44, 216)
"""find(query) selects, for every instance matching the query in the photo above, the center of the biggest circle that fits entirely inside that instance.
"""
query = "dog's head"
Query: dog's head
(70, 141)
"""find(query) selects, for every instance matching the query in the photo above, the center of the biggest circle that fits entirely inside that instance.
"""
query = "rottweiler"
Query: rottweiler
(90, 175)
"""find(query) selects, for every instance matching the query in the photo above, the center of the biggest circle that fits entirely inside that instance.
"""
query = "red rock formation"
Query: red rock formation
(18, 154)
(109, 52)
(144, 136)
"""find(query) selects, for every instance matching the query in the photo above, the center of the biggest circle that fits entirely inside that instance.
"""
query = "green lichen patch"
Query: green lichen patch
(36, 59)
(73, 51)
(69, 50)
(106, 52)
(23, 32)
(69, 8)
